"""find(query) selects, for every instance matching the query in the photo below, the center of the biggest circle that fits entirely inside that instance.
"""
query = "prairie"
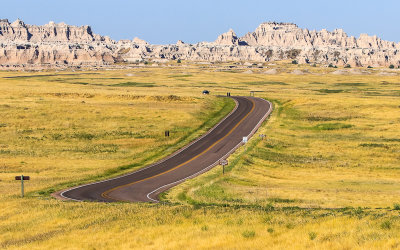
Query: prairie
(326, 175)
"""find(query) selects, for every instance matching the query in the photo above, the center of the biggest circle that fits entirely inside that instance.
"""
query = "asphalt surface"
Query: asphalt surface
(146, 184)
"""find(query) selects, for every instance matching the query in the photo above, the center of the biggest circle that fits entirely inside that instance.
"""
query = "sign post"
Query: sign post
(262, 136)
(22, 178)
(223, 163)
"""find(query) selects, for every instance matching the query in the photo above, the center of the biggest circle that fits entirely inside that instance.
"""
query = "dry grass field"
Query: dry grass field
(326, 176)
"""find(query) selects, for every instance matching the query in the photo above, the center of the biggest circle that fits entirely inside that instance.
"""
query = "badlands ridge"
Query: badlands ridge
(62, 45)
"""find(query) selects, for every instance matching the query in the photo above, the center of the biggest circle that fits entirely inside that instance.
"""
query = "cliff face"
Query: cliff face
(62, 44)
(18, 31)
(289, 35)
(54, 44)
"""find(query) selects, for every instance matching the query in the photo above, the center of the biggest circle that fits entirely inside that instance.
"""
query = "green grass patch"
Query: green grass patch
(134, 84)
(280, 200)
(326, 119)
(373, 145)
(332, 126)
(351, 84)
(330, 91)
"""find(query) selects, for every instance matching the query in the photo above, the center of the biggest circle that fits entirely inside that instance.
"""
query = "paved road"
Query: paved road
(146, 184)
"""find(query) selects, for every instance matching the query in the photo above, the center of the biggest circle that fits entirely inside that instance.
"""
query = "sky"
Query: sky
(165, 22)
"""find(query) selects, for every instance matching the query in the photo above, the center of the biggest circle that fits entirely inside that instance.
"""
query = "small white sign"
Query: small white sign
(223, 162)
(245, 140)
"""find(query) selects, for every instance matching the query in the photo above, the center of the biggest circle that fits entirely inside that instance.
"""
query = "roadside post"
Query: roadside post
(251, 93)
(22, 178)
(223, 163)
(245, 139)
(262, 136)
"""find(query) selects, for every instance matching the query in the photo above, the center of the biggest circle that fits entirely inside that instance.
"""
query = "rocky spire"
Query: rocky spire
(18, 23)
(228, 38)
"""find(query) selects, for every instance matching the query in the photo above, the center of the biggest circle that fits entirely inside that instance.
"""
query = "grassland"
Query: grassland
(326, 176)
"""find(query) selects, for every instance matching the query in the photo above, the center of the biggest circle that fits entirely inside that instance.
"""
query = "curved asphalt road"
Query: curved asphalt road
(146, 184)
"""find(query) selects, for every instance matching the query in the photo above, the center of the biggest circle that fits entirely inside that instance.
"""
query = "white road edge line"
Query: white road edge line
(62, 194)
(223, 157)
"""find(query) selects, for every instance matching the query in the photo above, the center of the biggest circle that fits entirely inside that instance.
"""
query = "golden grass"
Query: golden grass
(332, 146)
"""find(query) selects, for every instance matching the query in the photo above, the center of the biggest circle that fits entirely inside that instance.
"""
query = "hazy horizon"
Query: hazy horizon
(161, 23)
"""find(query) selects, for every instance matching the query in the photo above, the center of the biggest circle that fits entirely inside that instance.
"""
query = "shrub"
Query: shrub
(347, 66)
(83, 136)
(330, 65)
(248, 234)
(312, 235)
(293, 53)
(179, 61)
(386, 225)
(396, 206)
(294, 62)
(270, 230)
(369, 67)
(391, 66)
(269, 53)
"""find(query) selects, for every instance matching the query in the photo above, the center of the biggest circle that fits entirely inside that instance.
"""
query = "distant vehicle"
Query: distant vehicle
(206, 92)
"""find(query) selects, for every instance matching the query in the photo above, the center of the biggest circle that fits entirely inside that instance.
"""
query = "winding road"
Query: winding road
(144, 185)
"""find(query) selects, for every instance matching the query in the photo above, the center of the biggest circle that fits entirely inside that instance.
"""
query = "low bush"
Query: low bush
(249, 234)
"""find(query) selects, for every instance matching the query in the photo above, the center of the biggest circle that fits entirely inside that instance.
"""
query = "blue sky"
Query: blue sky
(162, 22)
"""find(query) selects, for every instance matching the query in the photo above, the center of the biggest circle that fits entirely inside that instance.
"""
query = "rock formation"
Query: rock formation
(137, 40)
(63, 45)
(229, 38)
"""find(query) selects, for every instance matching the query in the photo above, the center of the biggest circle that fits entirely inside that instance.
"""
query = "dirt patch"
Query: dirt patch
(298, 72)
(271, 72)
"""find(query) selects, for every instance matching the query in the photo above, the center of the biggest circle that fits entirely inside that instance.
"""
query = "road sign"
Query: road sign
(22, 178)
(245, 139)
(19, 178)
(223, 163)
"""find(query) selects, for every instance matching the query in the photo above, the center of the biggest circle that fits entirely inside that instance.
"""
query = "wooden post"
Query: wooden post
(22, 186)
(22, 178)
